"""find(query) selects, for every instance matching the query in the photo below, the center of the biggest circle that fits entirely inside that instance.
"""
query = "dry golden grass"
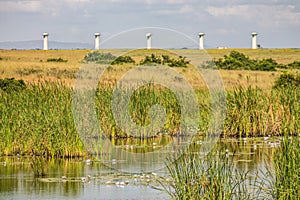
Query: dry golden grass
(32, 65)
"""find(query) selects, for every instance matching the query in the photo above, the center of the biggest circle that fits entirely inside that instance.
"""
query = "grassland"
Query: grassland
(39, 119)
(32, 65)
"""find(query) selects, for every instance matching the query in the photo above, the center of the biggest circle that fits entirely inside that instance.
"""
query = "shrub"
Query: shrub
(287, 80)
(11, 84)
(294, 65)
(153, 59)
(98, 57)
(266, 65)
(181, 62)
(238, 61)
(56, 60)
(123, 59)
(165, 59)
(235, 60)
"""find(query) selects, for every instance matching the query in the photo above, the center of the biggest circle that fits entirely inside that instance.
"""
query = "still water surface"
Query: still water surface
(81, 179)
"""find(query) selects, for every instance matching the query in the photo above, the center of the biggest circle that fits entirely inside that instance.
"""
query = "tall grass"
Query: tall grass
(140, 103)
(213, 176)
(39, 118)
(253, 112)
(282, 178)
(287, 169)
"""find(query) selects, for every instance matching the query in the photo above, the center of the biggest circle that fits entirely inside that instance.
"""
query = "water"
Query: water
(81, 179)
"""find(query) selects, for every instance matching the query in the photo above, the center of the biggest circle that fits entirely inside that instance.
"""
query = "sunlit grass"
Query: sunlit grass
(32, 65)
(40, 119)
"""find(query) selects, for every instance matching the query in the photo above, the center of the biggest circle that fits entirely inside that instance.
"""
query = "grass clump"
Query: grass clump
(56, 60)
(287, 80)
(282, 177)
(213, 176)
(294, 65)
(38, 120)
(12, 85)
(253, 112)
(140, 103)
(287, 169)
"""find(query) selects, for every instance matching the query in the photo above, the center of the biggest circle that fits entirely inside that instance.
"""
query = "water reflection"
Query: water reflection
(79, 179)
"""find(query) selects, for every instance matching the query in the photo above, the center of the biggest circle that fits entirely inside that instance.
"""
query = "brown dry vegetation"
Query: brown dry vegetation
(32, 65)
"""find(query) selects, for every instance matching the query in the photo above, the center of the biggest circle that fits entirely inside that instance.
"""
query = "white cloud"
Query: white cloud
(25, 6)
(42, 6)
(264, 14)
(186, 9)
(150, 2)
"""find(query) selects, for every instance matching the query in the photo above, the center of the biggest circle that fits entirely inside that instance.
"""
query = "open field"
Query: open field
(32, 65)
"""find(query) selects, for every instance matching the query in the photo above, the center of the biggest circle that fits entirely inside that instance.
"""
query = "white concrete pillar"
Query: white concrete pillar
(148, 35)
(254, 42)
(201, 40)
(45, 37)
(97, 41)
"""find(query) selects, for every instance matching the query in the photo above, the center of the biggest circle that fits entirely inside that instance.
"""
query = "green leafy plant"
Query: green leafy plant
(165, 59)
(99, 57)
(122, 59)
(153, 59)
(287, 80)
(294, 65)
(239, 61)
(268, 64)
(181, 62)
(56, 60)
(11, 84)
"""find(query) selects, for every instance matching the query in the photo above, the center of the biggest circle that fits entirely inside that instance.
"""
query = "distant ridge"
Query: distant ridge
(38, 44)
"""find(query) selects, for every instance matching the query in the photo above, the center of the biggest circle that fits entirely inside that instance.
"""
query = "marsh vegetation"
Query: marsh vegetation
(36, 116)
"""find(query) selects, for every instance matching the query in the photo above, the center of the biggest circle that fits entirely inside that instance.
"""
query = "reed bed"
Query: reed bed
(216, 176)
(252, 112)
(38, 120)
(282, 178)
(211, 176)
(287, 169)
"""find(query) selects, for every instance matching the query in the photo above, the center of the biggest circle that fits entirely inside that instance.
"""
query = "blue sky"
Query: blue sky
(225, 22)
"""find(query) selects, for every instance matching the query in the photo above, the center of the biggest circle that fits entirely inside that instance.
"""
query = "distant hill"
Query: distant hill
(38, 44)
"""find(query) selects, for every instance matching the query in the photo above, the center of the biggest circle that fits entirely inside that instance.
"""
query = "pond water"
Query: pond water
(91, 179)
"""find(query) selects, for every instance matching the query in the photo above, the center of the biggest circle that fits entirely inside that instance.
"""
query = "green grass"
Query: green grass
(287, 169)
(253, 112)
(213, 176)
(216, 176)
(38, 119)
(281, 180)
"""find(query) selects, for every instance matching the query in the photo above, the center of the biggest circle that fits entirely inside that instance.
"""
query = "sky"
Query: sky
(226, 23)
